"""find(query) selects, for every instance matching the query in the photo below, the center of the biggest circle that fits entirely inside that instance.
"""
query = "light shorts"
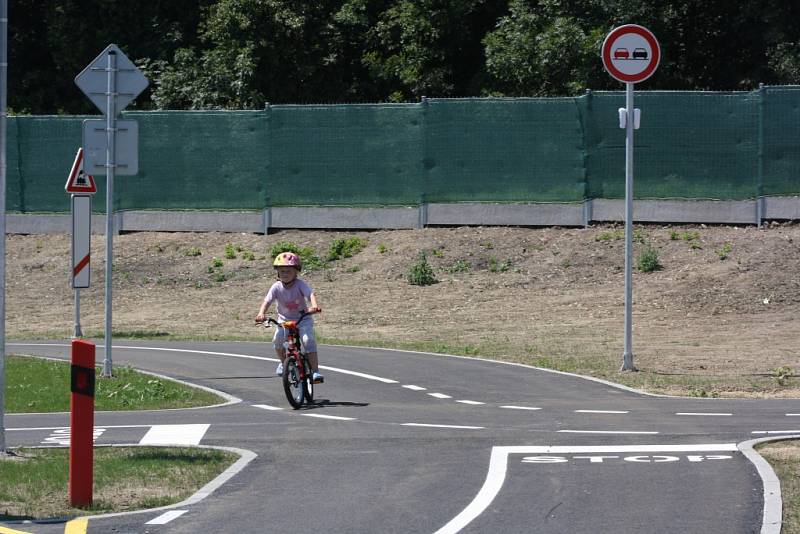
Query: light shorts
(306, 337)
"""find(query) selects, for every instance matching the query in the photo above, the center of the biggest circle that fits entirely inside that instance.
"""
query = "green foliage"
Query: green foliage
(783, 374)
(345, 248)
(459, 266)
(647, 261)
(611, 235)
(230, 252)
(421, 273)
(724, 251)
(216, 263)
(498, 267)
(381, 248)
(193, 252)
(239, 54)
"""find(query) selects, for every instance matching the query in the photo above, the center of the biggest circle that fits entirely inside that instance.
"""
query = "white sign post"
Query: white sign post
(82, 187)
(111, 82)
(630, 54)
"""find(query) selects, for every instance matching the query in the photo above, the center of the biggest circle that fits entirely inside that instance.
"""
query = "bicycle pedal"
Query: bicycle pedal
(319, 381)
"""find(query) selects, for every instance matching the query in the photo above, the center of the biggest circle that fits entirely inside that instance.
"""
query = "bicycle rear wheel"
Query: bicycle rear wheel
(308, 392)
(293, 386)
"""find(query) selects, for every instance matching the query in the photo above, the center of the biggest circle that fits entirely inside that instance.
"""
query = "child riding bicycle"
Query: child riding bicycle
(290, 293)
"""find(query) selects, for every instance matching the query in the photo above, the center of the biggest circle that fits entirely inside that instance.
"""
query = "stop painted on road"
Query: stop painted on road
(638, 459)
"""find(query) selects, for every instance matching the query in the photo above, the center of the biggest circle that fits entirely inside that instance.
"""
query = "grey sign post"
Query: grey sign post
(630, 54)
(111, 82)
(3, 86)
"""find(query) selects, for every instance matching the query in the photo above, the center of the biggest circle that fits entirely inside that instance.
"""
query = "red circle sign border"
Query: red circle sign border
(648, 36)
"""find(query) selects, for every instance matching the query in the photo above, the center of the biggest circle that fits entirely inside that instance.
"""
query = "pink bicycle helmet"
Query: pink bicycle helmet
(287, 259)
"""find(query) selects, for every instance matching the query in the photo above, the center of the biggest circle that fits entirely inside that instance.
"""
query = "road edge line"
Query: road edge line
(772, 514)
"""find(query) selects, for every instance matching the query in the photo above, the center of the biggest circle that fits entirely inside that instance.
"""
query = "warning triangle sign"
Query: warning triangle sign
(78, 181)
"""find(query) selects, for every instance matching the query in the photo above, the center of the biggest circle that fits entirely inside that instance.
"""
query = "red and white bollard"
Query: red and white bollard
(81, 444)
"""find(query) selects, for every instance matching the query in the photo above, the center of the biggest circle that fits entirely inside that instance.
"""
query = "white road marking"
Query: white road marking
(266, 407)
(334, 417)
(166, 517)
(440, 395)
(793, 415)
(521, 408)
(705, 413)
(414, 388)
(602, 411)
(474, 403)
(498, 463)
(444, 426)
(607, 432)
(61, 436)
(775, 432)
(174, 435)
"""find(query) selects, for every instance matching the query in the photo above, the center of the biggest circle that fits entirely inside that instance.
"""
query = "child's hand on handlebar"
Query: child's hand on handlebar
(316, 309)
(260, 318)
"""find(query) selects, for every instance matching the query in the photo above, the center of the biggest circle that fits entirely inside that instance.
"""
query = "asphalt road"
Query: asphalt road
(408, 442)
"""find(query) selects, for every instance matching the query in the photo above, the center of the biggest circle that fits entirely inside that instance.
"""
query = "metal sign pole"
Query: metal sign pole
(627, 355)
(111, 118)
(3, 105)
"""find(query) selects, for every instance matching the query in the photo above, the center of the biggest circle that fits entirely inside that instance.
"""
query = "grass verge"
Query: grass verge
(125, 478)
(38, 385)
(784, 457)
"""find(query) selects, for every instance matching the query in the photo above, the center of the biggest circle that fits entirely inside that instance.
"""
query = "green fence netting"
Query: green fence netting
(736, 145)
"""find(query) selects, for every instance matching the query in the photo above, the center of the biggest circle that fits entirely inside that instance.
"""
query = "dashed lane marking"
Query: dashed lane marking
(775, 432)
(471, 402)
(440, 395)
(426, 425)
(712, 414)
(532, 408)
(602, 411)
(646, 432)
(266, 407)
(166, 517)
(414, 388)
(333, 417)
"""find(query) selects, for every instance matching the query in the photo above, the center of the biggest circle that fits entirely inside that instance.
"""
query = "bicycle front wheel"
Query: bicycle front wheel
(293, 386)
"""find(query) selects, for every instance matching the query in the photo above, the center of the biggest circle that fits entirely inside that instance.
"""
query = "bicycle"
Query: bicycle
(298, 383)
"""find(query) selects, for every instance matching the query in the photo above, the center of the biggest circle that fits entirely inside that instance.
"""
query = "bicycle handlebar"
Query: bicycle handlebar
(303, 315)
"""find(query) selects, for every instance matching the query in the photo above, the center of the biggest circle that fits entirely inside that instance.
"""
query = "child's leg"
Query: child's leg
(310, 343)
(313, 361)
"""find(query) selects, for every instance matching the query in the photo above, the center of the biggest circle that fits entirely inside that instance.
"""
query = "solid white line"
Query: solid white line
(602, 411)
(444, 426)
(498, 463)
(520, 407)
(266, 407)
(174, 435)
(67, 428)
(793, 415)
(414, 388)
(775, 432)
(474, 403)
(705, 413)
(334, 417)
(606, 432)
(166, 517)
(228, 354)
(440, 395)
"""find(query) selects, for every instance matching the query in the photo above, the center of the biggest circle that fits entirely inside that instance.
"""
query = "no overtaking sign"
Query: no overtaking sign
(631, 53)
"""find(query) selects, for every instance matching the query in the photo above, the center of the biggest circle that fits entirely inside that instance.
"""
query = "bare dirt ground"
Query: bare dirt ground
(719, 318)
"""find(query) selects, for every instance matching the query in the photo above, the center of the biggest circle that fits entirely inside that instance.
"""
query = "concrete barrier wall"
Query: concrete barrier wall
(463, 214)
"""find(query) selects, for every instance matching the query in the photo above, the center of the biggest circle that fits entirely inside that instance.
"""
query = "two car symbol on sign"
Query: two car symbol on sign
(623, 53)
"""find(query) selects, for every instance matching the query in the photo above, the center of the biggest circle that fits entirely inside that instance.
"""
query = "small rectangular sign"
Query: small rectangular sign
(81, 240)
(126, 145)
